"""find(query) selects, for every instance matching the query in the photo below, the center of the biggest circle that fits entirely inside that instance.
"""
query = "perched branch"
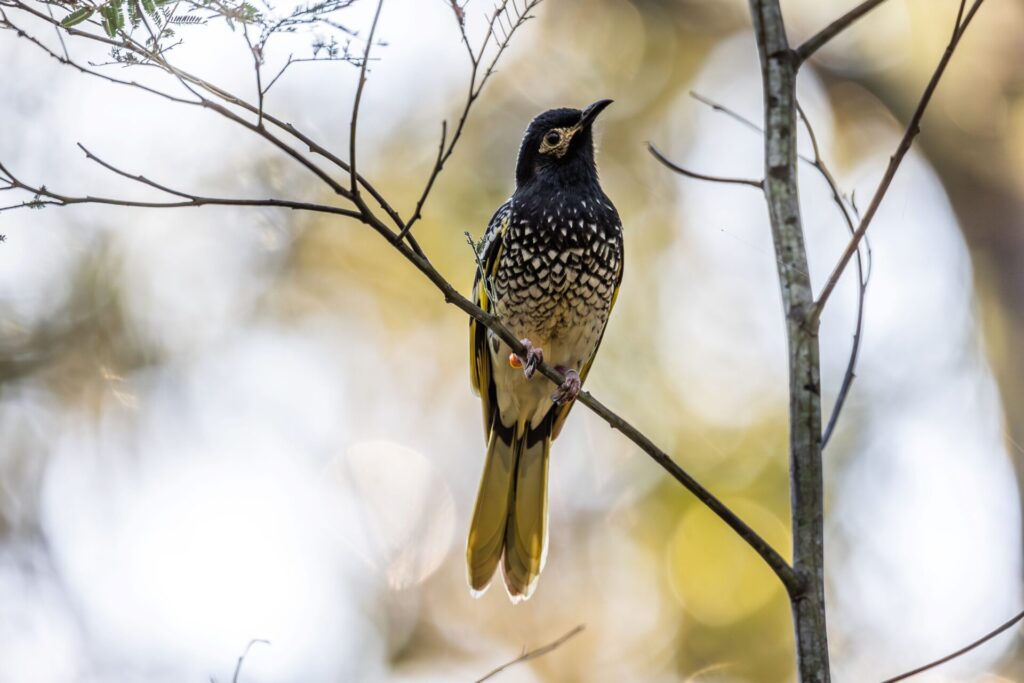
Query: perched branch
(410, 251)
(533, 654)
(962, 651)
(913, 128)
(815, 42)
(759, 184)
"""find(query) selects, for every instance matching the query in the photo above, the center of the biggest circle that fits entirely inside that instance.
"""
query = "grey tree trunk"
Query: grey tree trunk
(778, 67)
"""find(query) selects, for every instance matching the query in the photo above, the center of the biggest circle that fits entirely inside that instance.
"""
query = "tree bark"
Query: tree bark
(779, 64)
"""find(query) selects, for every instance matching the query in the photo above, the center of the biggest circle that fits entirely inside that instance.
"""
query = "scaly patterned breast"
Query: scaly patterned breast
(559, 269)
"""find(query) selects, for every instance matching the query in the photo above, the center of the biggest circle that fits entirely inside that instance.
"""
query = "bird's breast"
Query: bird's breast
(558, 270)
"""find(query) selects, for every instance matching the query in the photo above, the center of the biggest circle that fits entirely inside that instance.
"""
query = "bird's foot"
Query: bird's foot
(534, 357)
(570, 388)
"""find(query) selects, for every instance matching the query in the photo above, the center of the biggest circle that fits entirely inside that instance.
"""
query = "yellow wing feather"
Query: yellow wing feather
(481, 376)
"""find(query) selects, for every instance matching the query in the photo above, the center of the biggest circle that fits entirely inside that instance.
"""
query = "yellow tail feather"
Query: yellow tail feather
(487, 530)
(527, 531)
(510, 518)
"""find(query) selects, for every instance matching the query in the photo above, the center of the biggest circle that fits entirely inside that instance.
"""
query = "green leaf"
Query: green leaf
(76, 17)
(110, 19)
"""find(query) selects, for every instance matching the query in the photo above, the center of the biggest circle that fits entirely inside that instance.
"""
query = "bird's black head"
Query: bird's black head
(559, 145)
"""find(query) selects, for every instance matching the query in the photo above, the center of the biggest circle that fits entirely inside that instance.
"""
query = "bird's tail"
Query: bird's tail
(511, 517)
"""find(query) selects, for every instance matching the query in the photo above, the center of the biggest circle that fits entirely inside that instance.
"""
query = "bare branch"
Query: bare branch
(739, 118)
(815, 42)
(354, 122)
(962, 651)
(700, 176)
(42, 196)
(245, 653)
(299, 60)
(521, 17)
(913, 128)
(214, 91)
(862, 279)
(534, 654)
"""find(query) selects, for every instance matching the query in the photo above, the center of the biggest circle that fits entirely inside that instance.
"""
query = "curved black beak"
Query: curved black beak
(591, 112)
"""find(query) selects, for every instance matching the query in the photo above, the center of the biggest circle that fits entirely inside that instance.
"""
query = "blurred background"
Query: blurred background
(221, 425)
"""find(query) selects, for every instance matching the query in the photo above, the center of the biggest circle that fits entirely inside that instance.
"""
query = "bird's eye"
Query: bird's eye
(553, 138)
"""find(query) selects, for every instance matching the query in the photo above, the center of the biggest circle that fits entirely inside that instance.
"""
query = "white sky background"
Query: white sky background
(208, 507)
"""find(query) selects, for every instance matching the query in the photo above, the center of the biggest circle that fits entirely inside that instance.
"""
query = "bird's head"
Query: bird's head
(559, 143)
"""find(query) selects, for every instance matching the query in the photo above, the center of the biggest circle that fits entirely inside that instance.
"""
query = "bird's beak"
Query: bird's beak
(591, 112)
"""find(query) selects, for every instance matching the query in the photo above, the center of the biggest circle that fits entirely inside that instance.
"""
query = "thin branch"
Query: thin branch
(298, 60)
(213, 90)
(257, 65)
(354, 121)
(815, 42)
(962, 651)
(862, 279)
(534, 654)
(913, 128)
(731, 113)
(42, 196)
(60, 36)
(738, 118)
(245, 653)
(521, 17)
(759, 184)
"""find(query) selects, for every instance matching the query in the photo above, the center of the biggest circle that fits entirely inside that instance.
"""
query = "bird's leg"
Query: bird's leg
(534, 357)
(570, 388)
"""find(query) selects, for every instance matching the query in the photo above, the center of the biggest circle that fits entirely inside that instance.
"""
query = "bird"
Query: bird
(549, 267)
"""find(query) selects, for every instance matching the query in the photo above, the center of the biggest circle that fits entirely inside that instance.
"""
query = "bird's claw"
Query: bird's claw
(569, 389)
(534, 357)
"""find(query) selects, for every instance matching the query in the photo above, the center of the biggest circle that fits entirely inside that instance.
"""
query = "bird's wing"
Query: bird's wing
(561, 412)
(488, 256)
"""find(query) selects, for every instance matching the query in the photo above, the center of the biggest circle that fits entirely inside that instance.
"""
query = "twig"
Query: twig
(46, 197)
(962, 651)
(862, 279)
(533, 654)
(473, 93)
(864, 275)
(913, 128)
(241, 658)
(700, 176)
(257, 65)
(353, 123)
(815, 42)
(739, 118)
(215, 91)
(298, 60)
